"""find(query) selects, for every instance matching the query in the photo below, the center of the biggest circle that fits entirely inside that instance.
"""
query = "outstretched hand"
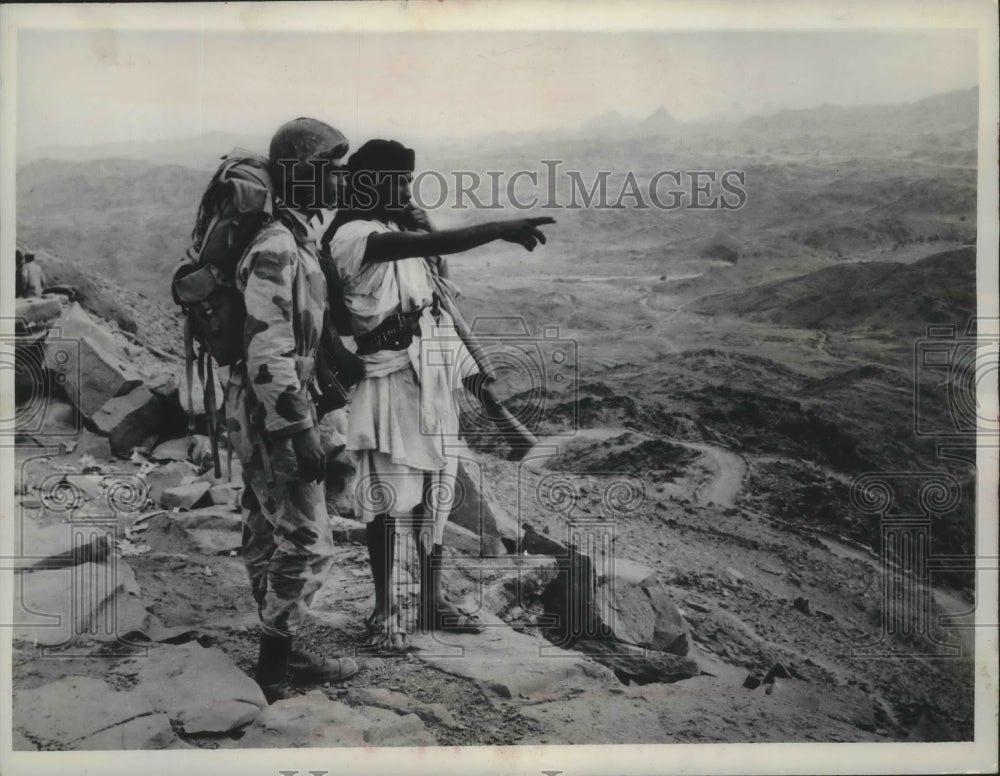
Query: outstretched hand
(525, 231)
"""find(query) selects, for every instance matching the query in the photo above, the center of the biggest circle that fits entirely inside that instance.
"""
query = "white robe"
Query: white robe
(403, 416)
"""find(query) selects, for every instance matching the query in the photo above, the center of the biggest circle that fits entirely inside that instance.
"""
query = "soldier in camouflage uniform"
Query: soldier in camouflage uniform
(287, 542)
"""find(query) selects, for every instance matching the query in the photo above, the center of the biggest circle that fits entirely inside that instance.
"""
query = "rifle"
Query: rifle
(518, 437)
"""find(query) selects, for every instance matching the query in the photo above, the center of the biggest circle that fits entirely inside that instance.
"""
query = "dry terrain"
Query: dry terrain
(706, 387)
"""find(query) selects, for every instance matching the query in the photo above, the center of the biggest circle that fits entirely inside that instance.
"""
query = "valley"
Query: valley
(706, 417)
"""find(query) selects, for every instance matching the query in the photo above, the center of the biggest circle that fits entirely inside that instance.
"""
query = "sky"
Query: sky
(81, 88)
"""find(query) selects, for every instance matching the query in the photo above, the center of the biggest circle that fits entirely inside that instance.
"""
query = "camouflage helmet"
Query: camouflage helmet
(300, 138)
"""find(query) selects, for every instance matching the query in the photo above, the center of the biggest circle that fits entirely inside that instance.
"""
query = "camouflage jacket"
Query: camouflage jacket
(285, 295)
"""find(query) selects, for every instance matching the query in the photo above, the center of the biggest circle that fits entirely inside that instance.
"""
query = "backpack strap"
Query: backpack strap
(189, 358)
(213, 415)
(204, 239)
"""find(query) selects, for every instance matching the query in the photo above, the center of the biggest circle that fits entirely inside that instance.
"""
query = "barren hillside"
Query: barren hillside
(708, 387)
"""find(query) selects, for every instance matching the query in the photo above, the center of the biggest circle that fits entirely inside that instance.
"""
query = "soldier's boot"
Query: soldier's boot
(307, 667)
(272, 666)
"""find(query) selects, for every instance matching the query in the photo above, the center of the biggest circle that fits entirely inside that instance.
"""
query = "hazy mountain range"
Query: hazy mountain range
(951, 112)
(828, 182)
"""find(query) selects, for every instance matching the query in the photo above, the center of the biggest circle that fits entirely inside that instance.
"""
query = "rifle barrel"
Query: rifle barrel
(519, 437)
(471, 343)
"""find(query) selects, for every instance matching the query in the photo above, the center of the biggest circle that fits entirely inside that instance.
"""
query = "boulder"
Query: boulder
(199, 688)
(34, 311)
(91, 445)
(171, 537)
(224, 495)
(169, 476)
(59, 421)
(752, 682)
(466, 542)
(87, 358)
(177, 634)
(89, 485)
(509, 664)
(634, 608)
(164, 385)
(435, 713)
(208, 518)
(630, 572)
(209, 541)
(69, 712)
(173, 449)
(536, 543)
(621, 601)
(599, 717)
(400, 730)
(124, 618)
(317, 721)
(167, 389)
(777, 671)
(149, 732)
(473, 510)
(129, 420)
(60, 545)
(220, 717)
(635, 664)
(59, 606)
(521, 587)
(569, 599)
(184, 496)
(306, 720)
(201, 456)
(31, 473)
(32, 383)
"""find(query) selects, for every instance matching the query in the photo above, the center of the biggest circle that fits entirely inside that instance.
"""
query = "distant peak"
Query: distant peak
(660, 114)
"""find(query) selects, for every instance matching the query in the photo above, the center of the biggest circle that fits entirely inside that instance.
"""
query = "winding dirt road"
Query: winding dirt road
(725, 486)
(721, 488)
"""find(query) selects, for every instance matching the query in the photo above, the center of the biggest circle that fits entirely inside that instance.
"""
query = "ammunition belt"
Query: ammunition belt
(396, 332)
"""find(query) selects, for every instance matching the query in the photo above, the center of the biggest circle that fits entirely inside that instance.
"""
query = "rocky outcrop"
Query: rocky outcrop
(129, 420)
(184, 496)
(639, 665)
(313, 720)
(433, 713)
(59, 545)
(56, 607)
(199, 688)
(475, 512)
(513, 665)
(87, 361)
(171, 475)
(111, 717)
(634, 608)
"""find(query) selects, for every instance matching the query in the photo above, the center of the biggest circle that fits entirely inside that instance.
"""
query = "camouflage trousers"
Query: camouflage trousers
(287, 546)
